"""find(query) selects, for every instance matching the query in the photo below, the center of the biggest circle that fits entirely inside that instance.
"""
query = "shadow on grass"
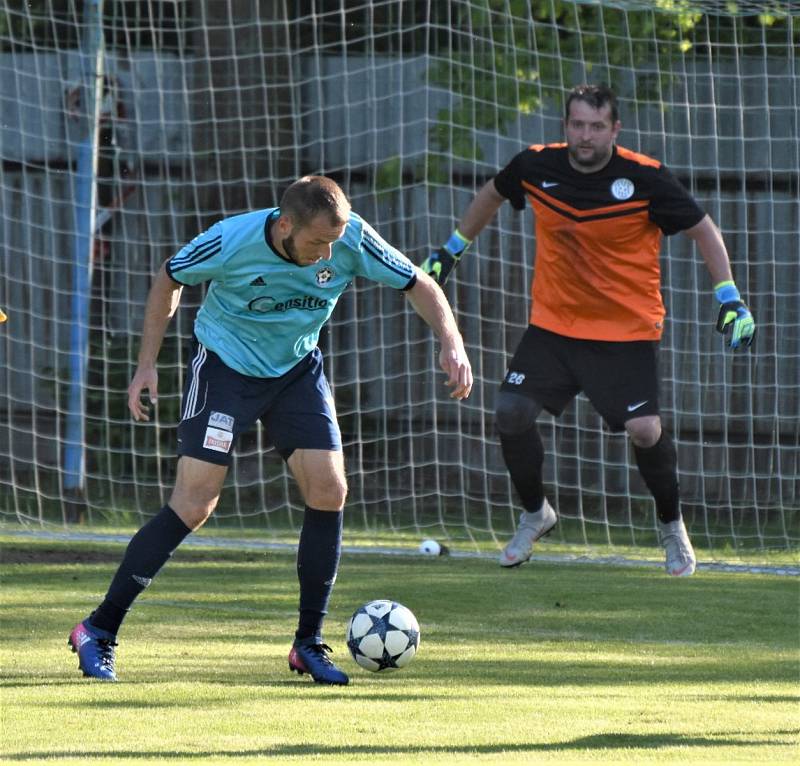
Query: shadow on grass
(604, 741)
(455, 681)
(732, 665)
(540, 671)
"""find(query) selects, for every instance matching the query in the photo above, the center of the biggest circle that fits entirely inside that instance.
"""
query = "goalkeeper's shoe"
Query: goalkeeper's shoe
(95, 649)
(310, 655)
(531, 527)
(680, 554)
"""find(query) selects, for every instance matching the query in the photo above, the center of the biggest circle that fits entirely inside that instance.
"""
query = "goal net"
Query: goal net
(130, 127)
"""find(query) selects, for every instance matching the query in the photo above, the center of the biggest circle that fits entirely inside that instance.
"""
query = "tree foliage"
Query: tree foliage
(507, 57)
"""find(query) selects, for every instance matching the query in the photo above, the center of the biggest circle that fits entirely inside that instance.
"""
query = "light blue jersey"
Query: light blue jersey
(262, 314)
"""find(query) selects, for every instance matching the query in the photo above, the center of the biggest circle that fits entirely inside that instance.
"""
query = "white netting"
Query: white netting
(206, 110)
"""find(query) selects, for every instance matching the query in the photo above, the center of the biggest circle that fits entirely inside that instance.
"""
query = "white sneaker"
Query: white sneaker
(531, 527)
(680, 554)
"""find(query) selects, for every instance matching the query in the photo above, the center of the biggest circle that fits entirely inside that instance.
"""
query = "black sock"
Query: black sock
(659, 468)
(149, 549)
(317, 563)
(524, 455)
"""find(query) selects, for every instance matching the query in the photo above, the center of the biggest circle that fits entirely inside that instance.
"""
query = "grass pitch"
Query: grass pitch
(549, 662)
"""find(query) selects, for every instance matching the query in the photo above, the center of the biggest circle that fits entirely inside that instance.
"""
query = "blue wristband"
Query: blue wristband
(457, 243)
(726, 292)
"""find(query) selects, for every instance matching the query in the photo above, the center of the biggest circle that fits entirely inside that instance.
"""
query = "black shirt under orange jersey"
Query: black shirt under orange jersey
(598, 237)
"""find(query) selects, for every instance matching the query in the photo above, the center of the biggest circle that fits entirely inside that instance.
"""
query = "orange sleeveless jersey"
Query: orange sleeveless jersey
(598, 238)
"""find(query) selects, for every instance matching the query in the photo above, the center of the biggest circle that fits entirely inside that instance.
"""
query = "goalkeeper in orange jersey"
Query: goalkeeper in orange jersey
(597, 314)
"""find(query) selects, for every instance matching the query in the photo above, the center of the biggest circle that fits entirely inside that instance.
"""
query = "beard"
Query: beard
(596, 158)
(289, 248)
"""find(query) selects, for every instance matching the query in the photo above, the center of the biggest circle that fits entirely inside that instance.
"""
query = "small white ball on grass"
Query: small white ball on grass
(432, 548)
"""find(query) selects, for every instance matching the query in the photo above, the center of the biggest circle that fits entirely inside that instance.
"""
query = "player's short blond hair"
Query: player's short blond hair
(311, 196)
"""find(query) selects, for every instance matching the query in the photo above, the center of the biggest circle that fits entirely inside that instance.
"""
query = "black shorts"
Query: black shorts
(620, 379)
(219, 404)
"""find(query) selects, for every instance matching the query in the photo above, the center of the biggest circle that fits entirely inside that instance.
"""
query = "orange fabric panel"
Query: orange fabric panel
(597, 279)
(642, 159)
(539, 147)
(617, 207)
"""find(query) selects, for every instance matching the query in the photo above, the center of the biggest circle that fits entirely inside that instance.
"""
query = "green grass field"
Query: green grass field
(549, 662)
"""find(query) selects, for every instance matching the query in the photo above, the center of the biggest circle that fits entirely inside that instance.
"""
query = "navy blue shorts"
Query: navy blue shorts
(219, 404)
(620, 379)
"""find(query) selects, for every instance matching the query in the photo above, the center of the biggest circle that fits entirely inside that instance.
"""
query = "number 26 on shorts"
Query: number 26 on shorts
(515, 378)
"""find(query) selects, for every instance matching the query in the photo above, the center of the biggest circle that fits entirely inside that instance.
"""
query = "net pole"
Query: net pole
(85, 191)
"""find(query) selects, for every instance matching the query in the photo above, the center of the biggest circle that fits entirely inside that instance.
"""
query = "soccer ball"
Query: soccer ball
(430, 548)
(383, 635)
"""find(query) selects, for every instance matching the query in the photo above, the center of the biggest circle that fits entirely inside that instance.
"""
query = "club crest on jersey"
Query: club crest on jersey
(324, 275)
(622, 188)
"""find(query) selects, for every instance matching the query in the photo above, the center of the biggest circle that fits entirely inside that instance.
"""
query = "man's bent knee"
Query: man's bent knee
(644, 431)
(321, 478)
(327, 495)
(197, 489)
(193, 514)
(515, 413)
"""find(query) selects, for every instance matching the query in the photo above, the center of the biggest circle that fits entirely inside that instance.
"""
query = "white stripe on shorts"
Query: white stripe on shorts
(190, 405)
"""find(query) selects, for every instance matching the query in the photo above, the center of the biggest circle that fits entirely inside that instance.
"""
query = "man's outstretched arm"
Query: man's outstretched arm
(480, 212)
(734, 316)
(428, 300)
(162, 302)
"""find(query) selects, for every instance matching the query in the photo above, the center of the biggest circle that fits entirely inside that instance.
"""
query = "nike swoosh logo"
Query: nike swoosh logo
(548, 184)
(632, 407)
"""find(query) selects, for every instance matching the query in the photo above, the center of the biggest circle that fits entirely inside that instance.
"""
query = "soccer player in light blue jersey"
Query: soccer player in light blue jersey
(274, 277)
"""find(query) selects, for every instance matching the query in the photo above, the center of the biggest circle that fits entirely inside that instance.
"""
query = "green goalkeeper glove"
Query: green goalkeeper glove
(734, 315)
(441, 262)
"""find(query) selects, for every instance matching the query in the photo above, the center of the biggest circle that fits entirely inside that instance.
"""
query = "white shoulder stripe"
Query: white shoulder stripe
(387, 257)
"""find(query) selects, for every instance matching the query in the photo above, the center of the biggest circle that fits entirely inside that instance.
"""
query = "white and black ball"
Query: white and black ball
(430, 548)
(383, 635)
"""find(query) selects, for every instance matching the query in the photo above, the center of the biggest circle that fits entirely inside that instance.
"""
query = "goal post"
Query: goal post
(209, 110)
(89, 95)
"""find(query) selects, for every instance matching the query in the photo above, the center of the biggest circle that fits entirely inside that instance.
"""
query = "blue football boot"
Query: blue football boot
(309, 655)
(95, 650)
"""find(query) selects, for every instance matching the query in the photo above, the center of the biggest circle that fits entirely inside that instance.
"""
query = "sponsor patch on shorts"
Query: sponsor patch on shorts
(218, 440)
(221, 420)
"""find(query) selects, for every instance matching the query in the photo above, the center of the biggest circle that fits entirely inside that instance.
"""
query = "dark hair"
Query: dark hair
(597, 96)
(311, 196)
